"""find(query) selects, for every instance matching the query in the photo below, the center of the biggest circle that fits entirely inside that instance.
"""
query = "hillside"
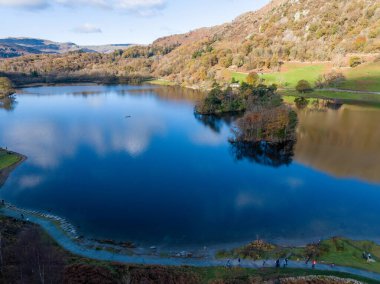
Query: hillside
(331, 31)
(15, 47)
(284, 30)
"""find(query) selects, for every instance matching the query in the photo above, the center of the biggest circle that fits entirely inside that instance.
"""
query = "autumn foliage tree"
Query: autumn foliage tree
(6, 88)
(253, 79)
(355, 61)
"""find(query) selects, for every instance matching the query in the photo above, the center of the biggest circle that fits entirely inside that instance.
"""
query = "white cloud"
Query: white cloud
(87, 29)
(206, 137)
(142, 7)
(27, 4)
(294, 183)
(30, 181)
(245, 199)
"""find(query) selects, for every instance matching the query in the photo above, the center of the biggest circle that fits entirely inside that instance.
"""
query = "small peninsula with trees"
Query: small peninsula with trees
(265, 117)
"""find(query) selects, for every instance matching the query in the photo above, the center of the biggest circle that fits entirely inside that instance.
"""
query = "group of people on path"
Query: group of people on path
(278, 263)
(313, 264)
(229, 263)
(284, 264)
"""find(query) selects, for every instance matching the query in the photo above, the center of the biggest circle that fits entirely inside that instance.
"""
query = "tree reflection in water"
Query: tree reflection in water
(8, 103)
(262, 152)
(216, 122)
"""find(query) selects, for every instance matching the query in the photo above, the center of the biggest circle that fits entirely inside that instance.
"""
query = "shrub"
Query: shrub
(332, 79)
(355, 61)
(253, 79)
(360, 42)
(304, 86)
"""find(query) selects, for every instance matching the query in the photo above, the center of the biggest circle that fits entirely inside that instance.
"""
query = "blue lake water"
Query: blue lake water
(166, 177)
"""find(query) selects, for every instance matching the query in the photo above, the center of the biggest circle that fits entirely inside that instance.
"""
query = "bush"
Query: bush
(332, 79)
(304, 86)
(253, 79)
(355, 61)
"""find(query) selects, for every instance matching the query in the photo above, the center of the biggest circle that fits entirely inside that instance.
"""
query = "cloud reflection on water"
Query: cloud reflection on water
(162, 164)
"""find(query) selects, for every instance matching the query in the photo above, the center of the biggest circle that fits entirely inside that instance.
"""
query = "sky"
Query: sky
(93, 22)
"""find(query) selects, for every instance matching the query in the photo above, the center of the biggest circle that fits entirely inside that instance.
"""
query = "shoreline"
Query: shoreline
(346, 96)
(4, 173)
(67, 244)
(72, 243)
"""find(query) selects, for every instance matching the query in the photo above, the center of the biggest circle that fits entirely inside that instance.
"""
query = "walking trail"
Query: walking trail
(71, 245)
(348, 91)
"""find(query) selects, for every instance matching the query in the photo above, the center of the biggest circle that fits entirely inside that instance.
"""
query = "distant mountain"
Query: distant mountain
(14, 47)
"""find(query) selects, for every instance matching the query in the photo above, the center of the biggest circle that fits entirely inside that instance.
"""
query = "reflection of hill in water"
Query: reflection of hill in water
(168, 93)
(343, 143)
(175, 93)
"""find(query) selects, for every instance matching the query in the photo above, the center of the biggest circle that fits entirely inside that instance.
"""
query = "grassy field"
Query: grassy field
(349, 253)
(293, 73)
(239, 76)
(365, 77)
(240, 275)
(161, 82)
(290, 95)
(7, 160)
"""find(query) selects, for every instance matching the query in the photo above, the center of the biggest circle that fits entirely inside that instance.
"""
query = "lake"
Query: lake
(134, 163)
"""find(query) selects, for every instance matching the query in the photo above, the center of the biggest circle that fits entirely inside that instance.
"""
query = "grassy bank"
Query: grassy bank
(365, 77)
(290, 95)
(246, 275)
(8, 159)
(161, 82)
(347, 252)
(337, 251)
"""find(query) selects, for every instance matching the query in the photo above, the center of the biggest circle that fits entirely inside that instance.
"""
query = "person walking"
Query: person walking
(314, 264)
(278, 263)
(307, 260)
